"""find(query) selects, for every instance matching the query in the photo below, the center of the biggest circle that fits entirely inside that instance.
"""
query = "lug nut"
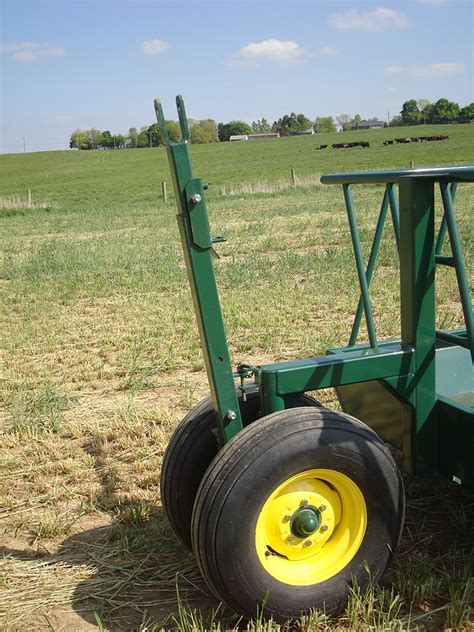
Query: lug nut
(303, 503)
(322, 508)
(308, 543)
(287, 518)
(290, 538)
(196, 198)
(324, 528)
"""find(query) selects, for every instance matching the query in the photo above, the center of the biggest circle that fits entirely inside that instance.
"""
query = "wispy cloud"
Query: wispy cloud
(432, 1)
(427, 70)
(379, 19)
(327, 51)
(271, 50)
(154, 47)
(32, 51)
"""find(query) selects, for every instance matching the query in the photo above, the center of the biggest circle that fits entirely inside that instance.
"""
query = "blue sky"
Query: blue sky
(70, 64)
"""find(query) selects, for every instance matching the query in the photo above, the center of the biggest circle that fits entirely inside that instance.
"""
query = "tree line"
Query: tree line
(413, 112)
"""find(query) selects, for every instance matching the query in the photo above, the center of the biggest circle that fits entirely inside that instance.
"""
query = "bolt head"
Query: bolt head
(323, 508)
(290, 538)
(287, 518)
(324, 528)
(303, 503)
(231, 415)
(196, 198)
(308, 543)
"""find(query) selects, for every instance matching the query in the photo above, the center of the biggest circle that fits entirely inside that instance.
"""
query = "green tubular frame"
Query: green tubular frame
(406, 366)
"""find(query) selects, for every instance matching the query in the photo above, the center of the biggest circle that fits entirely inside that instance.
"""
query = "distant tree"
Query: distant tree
(261, 126)
(324, 124)
(357, 118)
(174, 131)
(422, 105)
(95, 137)
(466, 114)
(233, 128)
(204, 132)
(133, 136)
(107, 139)
(291, 124)
(396, 121)
(410, 113)
(119, 141)
(343, 120)
(143, 138)
(445, 111)
(80, 139)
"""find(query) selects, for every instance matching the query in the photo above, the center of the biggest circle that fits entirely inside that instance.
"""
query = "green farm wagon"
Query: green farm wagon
(283, 502)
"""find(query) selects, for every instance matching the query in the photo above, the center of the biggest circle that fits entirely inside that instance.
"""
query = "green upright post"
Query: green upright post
(417, 292)
(196, 242)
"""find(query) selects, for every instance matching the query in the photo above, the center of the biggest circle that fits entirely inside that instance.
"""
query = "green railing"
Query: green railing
(448, 178)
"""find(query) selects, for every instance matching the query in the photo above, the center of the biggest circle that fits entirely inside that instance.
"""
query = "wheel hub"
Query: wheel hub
(305, 521)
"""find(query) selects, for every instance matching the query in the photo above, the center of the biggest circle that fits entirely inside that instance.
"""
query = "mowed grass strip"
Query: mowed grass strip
(102, 359)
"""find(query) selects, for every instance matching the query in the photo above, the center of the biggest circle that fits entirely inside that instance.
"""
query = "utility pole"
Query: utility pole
(149, 134)
(24, 145)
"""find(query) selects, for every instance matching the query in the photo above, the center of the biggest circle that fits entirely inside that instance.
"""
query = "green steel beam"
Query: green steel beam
(417, 294)
(196, 243)
(448, 174)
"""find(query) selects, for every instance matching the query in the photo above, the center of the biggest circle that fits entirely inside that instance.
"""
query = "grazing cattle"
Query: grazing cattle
(321, 147)
(388, 142)
(362, 144)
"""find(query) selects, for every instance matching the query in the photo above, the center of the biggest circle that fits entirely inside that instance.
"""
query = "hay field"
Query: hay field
(102, 359)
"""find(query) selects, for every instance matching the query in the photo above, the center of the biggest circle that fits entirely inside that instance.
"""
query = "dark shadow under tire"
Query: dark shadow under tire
(357, 471)
(192, 447)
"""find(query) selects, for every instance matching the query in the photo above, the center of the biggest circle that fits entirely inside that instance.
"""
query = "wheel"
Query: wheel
(191, 449)
(293, 509)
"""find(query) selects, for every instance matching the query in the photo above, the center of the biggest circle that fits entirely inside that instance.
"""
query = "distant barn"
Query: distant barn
(239, 137)
(264, 135)
(370, 124)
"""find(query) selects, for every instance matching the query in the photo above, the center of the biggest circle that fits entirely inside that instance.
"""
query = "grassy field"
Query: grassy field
(102, 359)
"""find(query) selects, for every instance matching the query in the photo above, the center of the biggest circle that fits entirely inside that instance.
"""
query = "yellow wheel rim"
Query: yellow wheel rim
(301, 560)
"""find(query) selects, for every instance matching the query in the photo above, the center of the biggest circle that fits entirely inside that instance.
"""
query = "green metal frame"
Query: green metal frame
(404, 369)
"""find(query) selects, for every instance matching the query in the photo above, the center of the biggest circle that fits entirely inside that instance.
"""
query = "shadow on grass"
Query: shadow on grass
(122, 574)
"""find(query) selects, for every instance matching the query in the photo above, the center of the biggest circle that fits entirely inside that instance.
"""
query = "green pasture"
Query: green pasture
(102, 359)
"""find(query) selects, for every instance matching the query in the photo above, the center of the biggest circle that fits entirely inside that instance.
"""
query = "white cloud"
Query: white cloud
(154, 47)
(432, 1)
(379, 19)
(327, 51)
(427, 70)
(32, 51)
(271, 50)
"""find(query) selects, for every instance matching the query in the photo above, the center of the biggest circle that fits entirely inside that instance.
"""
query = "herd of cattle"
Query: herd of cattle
(365, 144)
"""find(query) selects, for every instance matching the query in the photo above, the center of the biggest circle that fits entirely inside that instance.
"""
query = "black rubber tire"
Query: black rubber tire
(192, 448)
(244, 474)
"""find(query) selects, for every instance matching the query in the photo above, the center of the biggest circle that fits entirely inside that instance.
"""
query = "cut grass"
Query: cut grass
(103, 359)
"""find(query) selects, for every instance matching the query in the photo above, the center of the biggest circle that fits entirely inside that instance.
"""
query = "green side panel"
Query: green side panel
(378, 405)
(454, 372)
(456, 441)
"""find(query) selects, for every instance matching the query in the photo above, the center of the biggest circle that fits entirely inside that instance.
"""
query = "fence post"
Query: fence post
(29, 197)
(293, 177)
(165, 193)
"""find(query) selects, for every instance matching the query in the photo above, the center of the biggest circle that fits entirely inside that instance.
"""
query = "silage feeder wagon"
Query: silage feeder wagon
(284, 503)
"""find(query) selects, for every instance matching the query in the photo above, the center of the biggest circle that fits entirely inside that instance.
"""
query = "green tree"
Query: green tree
(204, 131)
(143, 139)
(107, 139)
(396, 121)
(133, 135)
(80, 139)
(445, 111)
(261, 126)
(466, 114)
(291, 124)
(119, 141)
(233, 128)
(95, 137)
(357, 118)
(410, 113)
(324, 124)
